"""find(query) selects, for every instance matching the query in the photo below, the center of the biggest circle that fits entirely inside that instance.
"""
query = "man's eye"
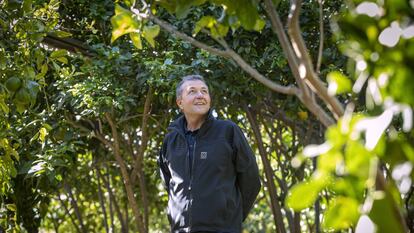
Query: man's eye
(191, 91)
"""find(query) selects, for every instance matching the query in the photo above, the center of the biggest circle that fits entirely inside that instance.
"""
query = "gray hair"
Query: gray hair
(192, 77)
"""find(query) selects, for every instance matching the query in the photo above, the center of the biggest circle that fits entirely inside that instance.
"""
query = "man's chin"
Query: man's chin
(200, 111)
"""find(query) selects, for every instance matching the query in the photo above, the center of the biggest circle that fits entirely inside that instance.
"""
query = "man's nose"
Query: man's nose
(199, 94)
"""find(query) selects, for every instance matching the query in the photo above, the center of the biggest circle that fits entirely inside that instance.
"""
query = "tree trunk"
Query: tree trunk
(124, 172)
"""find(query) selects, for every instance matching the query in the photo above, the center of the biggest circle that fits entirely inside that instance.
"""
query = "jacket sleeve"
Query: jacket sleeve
(248, 179)
(164, 171)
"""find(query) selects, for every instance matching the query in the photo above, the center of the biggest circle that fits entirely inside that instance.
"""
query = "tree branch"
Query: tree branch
(125, 175)
(306, 68)
(72, 45)
(169, 28)
(227, 53)
(138, 168)
(321, 38)
(276, 208)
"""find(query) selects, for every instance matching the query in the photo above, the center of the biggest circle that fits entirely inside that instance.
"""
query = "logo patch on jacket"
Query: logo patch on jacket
(203, 155)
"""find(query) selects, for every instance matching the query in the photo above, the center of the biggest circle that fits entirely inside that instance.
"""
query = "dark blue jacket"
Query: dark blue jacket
(219, 191)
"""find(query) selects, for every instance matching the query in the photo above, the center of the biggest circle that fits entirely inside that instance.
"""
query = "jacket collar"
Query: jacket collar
(179, 124)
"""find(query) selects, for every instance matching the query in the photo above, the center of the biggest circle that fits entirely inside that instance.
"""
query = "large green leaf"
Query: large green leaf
(381, 215)
(150, 32)
(303, 195)
(342, 214)
(123, 23)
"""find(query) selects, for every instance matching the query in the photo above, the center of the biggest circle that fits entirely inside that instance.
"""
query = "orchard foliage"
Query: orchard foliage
(86, 95)
(367, 158)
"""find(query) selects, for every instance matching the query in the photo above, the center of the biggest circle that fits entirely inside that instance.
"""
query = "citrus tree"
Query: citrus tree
(366, 160)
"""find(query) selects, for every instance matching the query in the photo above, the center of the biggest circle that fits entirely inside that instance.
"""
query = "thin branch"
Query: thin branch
(276, 208)
(288, 90)
(113, 200)
(75, 225)
(95, 133)
(321, 38)
(101, 197)
(75, 206)
(138, 168)
(227, 53)
(277, 28)
(169, 28)
(124, 172)
(306, 67)
(70, 44)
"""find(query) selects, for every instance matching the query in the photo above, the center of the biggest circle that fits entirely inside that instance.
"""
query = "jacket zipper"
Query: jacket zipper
(190, 187)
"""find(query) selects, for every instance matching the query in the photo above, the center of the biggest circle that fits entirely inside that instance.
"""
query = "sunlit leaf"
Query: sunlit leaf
(58, 53)
(123, 23)
(205, 21)
(64, 60)
(338, 83)
(3, 106)
(11, 207)
(303, 195)
(62, 34)
(341, 214)
(42, 134)
(136, 40)
(216, 29)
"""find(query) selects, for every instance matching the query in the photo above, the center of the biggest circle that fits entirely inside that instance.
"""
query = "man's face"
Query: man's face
(195, 98)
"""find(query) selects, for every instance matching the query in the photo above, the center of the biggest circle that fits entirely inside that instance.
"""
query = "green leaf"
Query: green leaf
(20, 107)
(42, 134)
(62, 34)
(3, 106)
(247, 14)
(43, 71)
(136, 40)
(37, 168)
(216, 29)
(64, 60)
(123, 23)
(385, 216)
(357, 159)
(29, 72)
(58, 53)
(27, 6)
(205, 21)
(329, 161)
(11, 207)
(34, 138)
(150, 32)
(342, 214)
(303, 195)
(259, 25)
(219, 30)
(338, 83)
(3, 61)
(183, 7)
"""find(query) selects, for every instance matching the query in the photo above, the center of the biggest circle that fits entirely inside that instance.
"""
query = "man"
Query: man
(209, 170)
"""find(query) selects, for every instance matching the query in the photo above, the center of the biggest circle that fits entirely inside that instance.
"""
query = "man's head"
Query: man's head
(193, 96)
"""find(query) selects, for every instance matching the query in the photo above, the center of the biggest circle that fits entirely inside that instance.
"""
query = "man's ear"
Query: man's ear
(178, 101)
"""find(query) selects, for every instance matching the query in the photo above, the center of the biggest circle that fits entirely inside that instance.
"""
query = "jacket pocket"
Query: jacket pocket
(210, 210)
